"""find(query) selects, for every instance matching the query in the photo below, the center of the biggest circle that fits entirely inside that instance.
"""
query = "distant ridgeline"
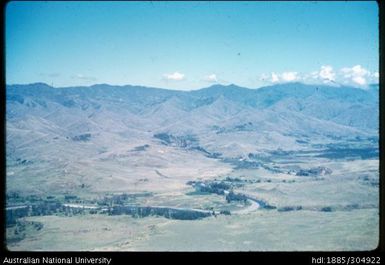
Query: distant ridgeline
(345, 106)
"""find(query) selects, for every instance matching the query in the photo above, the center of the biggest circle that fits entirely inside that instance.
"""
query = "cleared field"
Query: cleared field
(258, 231)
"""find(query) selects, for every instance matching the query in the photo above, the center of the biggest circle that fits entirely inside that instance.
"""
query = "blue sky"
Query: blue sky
(190, 45)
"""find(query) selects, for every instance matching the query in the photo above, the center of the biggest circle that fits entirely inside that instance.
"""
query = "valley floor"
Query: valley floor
(257, 231)
(247, 210)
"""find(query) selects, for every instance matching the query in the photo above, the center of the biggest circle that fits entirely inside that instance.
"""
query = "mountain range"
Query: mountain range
(66, 129)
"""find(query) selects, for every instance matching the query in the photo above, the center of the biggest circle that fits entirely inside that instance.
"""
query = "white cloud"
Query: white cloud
(211, 78)
(274, 78)
(326, 73)
(356, 70)
(359, 80)
(356, 74)
(314, 74)
(289, 76)
(176, 76)
(375, 77)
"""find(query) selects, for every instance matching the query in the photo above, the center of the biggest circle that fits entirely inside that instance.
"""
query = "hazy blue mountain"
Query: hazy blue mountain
(338, 104)
(220, 117)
